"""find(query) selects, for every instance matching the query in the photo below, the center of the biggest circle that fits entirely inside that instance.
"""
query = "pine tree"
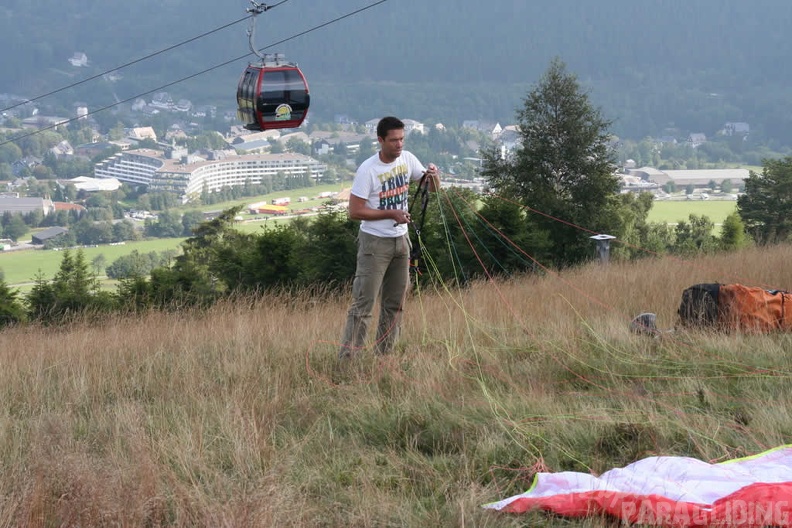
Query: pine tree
(11, 309)
(563, 169)
(766, 206)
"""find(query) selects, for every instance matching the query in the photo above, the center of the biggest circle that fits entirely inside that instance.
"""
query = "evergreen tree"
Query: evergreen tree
(326, 253)
(12, 310)
(15, 228)
(564, 167)
(733, 233)
(74, 290)
(766, 206)
(695, 236)
(221, 250)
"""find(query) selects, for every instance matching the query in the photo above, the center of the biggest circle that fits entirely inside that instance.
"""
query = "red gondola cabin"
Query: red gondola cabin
(272, 96)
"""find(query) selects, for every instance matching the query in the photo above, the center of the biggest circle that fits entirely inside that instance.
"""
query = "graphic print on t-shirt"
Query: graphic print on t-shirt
(395, 188)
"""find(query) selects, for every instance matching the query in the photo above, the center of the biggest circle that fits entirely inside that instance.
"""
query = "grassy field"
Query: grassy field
(673, 211)
(20, 267)
(242, 416)
(310, 192)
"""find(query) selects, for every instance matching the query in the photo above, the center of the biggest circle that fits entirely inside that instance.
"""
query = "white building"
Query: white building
(84, 183)
(187, 176)
(25, 205)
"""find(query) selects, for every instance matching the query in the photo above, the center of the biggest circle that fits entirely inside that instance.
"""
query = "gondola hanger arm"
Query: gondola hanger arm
(258, 8)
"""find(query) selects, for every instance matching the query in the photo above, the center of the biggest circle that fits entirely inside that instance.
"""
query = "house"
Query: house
(736, 129)
(162, 100)
(79, 59)
(204, 111)
(411, 125)
(326, 142)
(701, 178)
(321, 147)
(62, 149)
(256, 141)
(696, 178)
(650, 174)
(47, 234)
(139, 105)
(510, 139)
(141, 133)
(27, 163)
(26, 205)
(697, 139)
(175, 132)
(183, 105)
(91, 150)
(41, 121)
(113, 76)
(371, 126)
(66, 206)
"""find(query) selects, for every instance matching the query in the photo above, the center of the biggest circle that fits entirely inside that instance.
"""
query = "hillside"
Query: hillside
(241, 416)
(651, 65)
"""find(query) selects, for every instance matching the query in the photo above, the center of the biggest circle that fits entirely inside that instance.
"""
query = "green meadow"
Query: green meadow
(21, 267)
(676, 211)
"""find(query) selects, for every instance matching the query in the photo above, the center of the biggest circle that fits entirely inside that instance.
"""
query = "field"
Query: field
(673, 211)
(21, 267)
(309, 192)
(242, 416)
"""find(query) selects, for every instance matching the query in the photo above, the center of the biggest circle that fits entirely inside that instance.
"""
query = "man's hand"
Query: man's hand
(400, 217)
(433, 173)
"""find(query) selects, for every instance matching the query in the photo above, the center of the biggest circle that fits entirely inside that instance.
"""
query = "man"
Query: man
(379, 199)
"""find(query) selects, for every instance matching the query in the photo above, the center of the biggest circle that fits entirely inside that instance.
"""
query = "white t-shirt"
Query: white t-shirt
(386, 186)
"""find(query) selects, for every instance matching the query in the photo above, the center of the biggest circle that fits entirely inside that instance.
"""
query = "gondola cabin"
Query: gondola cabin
(272, 95)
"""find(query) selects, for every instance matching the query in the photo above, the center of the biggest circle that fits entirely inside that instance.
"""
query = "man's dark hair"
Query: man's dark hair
(386, 124)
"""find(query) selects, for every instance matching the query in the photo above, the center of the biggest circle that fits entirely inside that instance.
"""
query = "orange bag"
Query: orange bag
(755, 309)
(733, 307)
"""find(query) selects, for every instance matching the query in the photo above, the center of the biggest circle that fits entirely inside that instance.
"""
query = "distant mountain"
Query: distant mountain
(651, 64)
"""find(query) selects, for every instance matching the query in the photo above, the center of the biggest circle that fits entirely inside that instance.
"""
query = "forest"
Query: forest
(652, 66)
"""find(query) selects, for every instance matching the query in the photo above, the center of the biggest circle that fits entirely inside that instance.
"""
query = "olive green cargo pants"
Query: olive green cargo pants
(383, 268)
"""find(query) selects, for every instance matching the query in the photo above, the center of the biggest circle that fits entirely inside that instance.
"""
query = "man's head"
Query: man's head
(386, 124)
(390, 135)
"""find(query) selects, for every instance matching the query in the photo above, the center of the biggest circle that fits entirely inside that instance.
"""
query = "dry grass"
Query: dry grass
(241, 416)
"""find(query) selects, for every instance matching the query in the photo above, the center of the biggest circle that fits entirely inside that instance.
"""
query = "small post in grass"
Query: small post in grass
(603, 247)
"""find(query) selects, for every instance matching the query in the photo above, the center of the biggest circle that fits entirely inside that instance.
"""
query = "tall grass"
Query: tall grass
(242, 416)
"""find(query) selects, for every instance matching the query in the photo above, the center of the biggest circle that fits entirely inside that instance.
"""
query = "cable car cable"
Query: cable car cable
(226, 63)
(320, 26)
(151, 55)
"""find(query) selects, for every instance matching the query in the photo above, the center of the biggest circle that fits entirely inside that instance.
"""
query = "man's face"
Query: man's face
(391, 145)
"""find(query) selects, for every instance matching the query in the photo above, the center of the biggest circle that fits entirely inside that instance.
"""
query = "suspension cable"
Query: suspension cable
(207, 70)
(135, 61)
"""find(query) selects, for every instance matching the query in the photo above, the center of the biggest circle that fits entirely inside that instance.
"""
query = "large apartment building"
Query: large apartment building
(187, 175)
